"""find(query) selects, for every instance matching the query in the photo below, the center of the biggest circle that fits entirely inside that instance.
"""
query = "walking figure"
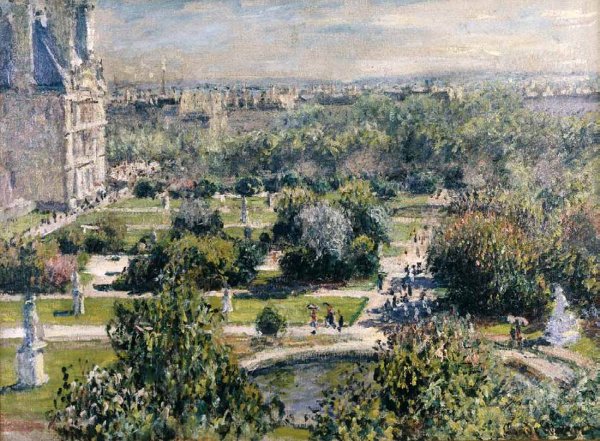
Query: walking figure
(379, 282)
(340, 323)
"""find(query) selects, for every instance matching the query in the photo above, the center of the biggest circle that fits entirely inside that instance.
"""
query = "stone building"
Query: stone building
(52, 119)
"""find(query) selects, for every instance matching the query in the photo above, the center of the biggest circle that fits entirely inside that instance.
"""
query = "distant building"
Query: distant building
(52, 91)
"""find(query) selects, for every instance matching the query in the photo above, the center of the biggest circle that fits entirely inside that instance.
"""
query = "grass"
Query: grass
(393, 250)
(367, 284)
(22, 223)
(133, 203)
(531, 332)
(288, 434)
(33, 404)
(258, 211)
(128, 218)
(402, 232)
(238, 232)
(98, 312)
(587, 347)
(293, 309)
(265, 277)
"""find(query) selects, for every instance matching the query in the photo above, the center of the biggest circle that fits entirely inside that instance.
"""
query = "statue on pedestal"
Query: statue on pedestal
(30, 356)
(78, 299)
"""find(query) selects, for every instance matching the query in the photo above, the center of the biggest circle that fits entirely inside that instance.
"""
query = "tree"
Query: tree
(490, 266)
(205, 188)
(145, 188)
(108, 238)
(368, 218)
(174, 378)
(197, 217)
(289, 205)
(439, 380)
(245, 187)
(201, 262)
(270, 322)
(325, 230)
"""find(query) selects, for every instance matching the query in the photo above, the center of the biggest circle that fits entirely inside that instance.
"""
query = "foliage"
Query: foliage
(146, 188)
(422, 183)
(108, 238)
(248, 186)
(289, 205)
(174, 379)
(363, 257)
(23, 265)
(361, 207)
(489, 266)
(59, 269)
(325, 230)
(270, 321)
(205, 188)
(196, 216)
(70, 240)
(201, 262)
(143, 273)
(250, 254)
(438, 380)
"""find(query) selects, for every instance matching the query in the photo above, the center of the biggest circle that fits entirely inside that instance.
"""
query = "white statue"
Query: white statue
(78, 299)
(30, 356)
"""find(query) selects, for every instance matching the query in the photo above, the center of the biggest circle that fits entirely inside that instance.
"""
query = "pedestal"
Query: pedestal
(78, 303)
(30, 365)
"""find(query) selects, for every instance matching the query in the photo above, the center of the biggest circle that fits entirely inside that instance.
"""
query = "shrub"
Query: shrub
(173, 379)
(489, 266)
(250, 254)
(201, 262)
(439, 380)
(291, 179)
(270, 322)
(421, 183)
(205, 188)
(145, 188)
(59, 269)
(363, 257)
(70, 240)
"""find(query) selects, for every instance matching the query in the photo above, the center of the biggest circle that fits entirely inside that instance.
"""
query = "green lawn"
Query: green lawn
(22, 223)
(98, 312)
(238, 232)
(288, 434)
(293, 308)
(33, 404)
(126, 217)
(529, 332)
(258, 211)
(587, 347)
(401, 232)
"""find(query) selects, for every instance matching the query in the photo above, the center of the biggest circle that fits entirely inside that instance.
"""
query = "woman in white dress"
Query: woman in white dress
(227, 303)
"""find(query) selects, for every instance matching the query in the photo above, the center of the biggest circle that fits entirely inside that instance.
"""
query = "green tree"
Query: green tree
(174, 378)
(490, 266)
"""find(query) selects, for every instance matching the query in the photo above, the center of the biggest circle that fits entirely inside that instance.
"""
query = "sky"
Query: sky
(343, 39)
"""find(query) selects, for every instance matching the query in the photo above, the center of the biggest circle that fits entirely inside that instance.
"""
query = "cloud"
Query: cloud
(344, 39)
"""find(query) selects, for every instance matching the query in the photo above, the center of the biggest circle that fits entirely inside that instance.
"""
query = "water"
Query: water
(562, 328)
(300, 386)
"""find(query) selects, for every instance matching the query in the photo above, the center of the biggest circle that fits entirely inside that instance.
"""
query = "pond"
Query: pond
(300, 386)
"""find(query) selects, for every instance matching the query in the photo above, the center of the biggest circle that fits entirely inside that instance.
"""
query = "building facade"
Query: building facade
(52, 117)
